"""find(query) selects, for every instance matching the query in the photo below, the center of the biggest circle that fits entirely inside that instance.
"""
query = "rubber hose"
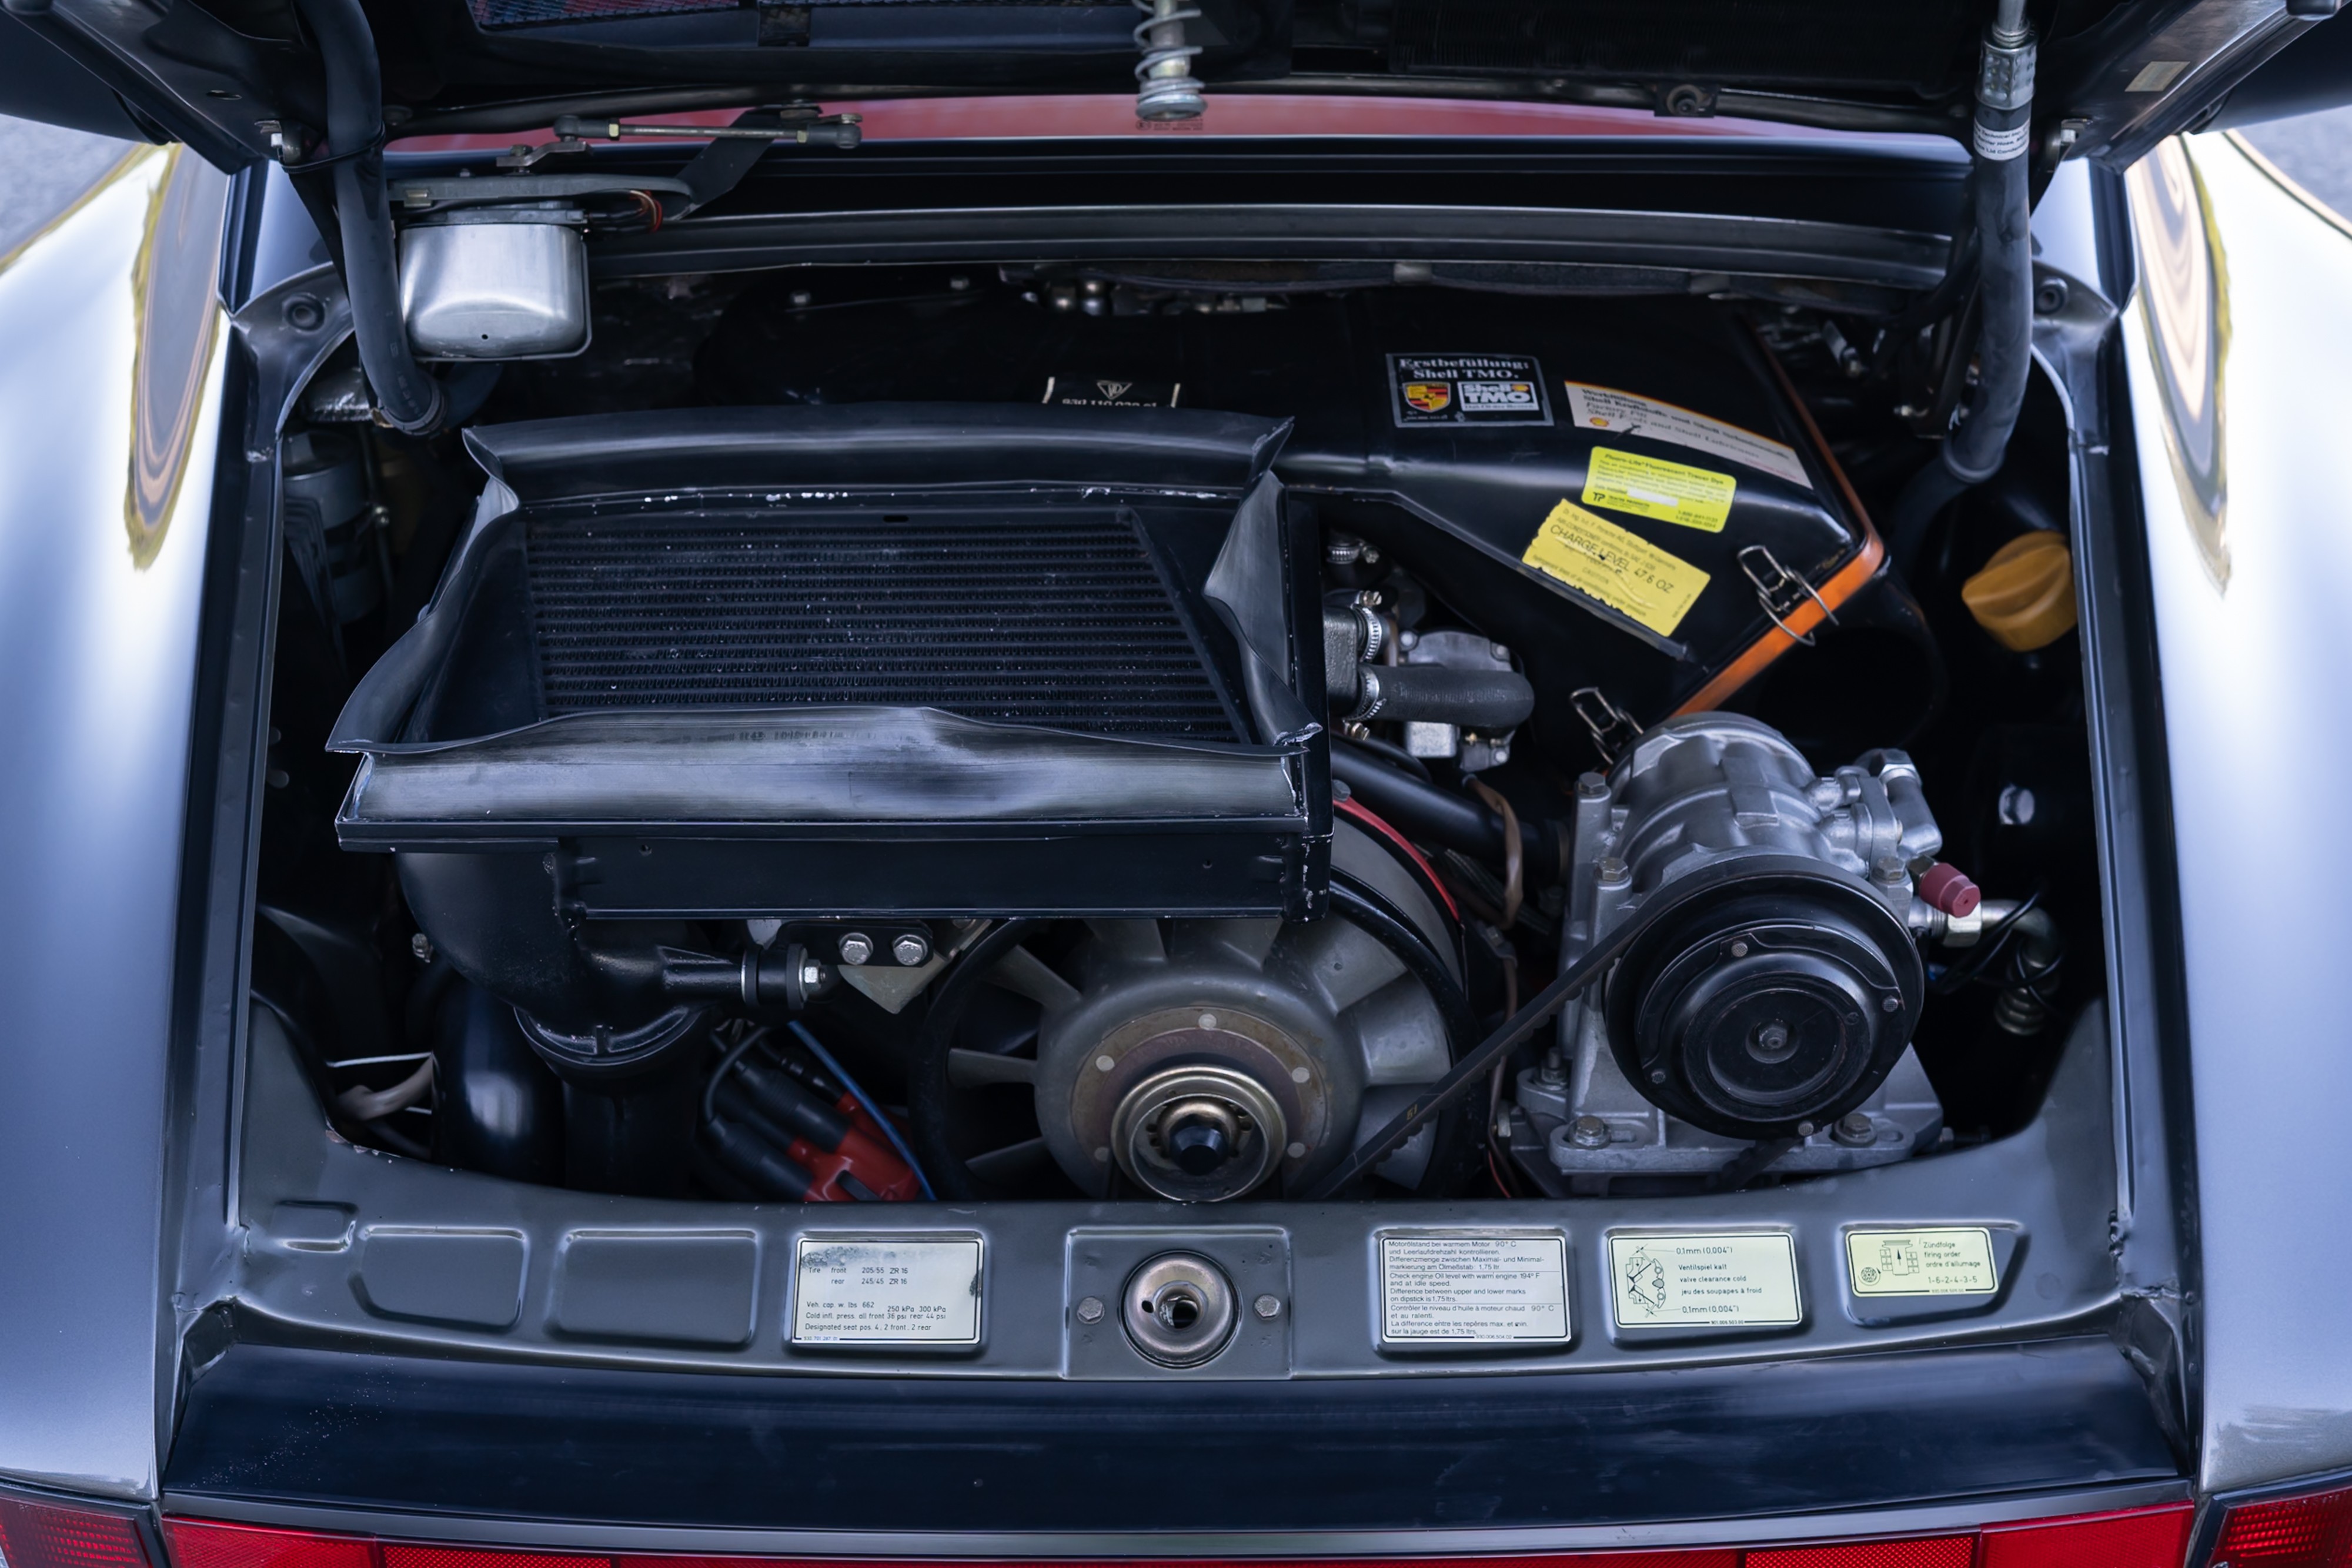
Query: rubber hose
(406, 396)
(1438, 816)
(1475, 699)
(1973, 452)
(926, 1092)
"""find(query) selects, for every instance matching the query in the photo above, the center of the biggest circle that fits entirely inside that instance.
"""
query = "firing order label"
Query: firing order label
(881, 1291)
(1474, 1289)
(1742, 1278)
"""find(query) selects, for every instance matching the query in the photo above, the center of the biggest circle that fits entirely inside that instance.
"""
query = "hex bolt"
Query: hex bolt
(421, 946)
(1855, 1130)
(1591, 787)
(1090, 1310)
(1267, 1306)
(1614, 872)
(910, 949)
(856, 948)
(1588, 1133)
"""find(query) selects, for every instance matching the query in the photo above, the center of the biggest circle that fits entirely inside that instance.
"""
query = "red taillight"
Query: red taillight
(40, 1535)
(2138, 1539)
(2144, 1538)
(2310, 1532)
(195, 1545)
(1919, 1551)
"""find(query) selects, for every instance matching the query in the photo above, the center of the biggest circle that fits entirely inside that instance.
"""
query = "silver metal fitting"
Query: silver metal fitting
(910, 950)
(2005, 74)
(856, 948)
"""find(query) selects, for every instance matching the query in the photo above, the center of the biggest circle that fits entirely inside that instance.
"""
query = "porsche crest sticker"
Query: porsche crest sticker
(1467, 389)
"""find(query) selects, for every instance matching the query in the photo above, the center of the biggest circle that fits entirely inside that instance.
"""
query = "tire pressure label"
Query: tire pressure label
(1947, 1261)
(1467, 389)
(1742, 1278)
(1619, 569)
(1474, 1289)
(1653, 487)
(885, 1290)
(1624, 413)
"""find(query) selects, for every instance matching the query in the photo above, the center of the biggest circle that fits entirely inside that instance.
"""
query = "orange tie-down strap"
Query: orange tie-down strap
(1843, 585)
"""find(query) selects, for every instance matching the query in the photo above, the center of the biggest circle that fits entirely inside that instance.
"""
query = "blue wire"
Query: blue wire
(866, 1100)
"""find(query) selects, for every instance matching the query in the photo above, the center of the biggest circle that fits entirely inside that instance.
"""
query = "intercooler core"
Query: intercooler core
(1059, 617)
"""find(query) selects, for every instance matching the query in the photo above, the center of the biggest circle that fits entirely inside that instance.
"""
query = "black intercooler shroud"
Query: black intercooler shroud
(1065, 616)
(917, 661)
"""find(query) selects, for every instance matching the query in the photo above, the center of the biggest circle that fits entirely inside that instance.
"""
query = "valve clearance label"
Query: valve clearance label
(1741, 1278)
(1624, 413)
(1944, 1261)
(882, 1290)
(1653, 487)
(1619, 569)
(1467, 389)
(1474, 1289)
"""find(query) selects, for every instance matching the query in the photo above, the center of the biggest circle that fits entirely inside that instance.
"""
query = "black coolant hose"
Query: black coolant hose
(404, 393)
(2004, 226)
(1422, 810)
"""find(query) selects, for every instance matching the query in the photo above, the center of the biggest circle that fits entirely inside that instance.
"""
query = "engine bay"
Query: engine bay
(1144, 736)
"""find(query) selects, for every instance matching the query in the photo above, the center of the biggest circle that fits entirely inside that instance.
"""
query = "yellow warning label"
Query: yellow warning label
(1621, 569)
(1653, 487)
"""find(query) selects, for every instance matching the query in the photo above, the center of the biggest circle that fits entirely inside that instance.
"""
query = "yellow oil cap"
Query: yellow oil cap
(2025, 594)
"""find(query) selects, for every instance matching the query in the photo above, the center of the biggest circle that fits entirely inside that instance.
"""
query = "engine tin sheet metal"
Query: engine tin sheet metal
(2050, 1182)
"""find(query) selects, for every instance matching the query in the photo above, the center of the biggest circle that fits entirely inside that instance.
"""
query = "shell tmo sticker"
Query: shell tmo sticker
(1467, 389)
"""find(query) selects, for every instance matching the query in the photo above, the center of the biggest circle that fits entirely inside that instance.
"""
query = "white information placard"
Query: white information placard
(887, 1289)
(1934, 1261)
(1739, 1279)
(1474, 1289)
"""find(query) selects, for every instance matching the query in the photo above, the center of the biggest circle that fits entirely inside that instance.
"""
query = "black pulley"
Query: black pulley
(1769, 1011)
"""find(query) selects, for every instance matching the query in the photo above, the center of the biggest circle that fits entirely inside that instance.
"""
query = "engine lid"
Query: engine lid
(2114, 77)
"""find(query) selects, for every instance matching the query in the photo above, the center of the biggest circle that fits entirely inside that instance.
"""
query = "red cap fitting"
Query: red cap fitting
(1949, 890)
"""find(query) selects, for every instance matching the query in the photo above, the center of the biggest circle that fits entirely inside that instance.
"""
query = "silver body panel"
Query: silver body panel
(2251, 654)
(99, 612)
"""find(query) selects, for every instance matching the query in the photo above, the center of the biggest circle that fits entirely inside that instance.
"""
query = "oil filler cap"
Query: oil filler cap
(1179, 1309)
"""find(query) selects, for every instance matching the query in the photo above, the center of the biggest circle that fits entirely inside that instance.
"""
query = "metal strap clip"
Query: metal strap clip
(1781, 591)
(1612, 728)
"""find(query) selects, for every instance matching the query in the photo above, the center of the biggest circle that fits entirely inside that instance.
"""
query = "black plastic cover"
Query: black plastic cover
(719, 662)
